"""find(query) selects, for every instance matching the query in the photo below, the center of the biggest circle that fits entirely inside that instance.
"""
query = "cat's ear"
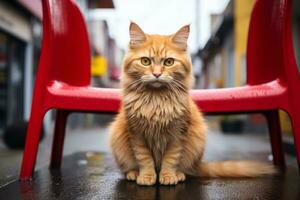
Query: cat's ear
(137, 35)
(181, 36)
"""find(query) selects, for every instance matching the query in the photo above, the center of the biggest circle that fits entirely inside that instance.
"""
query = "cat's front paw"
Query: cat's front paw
(132, 175)
(146, 178)
(180, 176)
(171, 178)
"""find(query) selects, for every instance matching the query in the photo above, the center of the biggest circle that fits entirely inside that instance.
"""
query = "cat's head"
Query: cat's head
(157, 61)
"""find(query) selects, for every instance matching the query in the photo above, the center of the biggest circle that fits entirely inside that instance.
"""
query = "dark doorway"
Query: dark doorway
(12, 53)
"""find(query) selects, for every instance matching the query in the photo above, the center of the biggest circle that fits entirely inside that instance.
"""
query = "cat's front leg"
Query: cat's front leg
(147, 174)
(169, 174)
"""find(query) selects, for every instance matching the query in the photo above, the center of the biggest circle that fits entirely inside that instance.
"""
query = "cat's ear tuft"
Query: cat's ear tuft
(180, 38)
(137, 35)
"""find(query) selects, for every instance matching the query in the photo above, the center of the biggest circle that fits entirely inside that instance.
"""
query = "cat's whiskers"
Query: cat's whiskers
(178, 85)
(135, 83)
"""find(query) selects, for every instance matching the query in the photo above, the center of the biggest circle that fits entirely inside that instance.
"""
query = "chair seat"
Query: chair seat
(246, 98)
(266, 96)
(82, 98)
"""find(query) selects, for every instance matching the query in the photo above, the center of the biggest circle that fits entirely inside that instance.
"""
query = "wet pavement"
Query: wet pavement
(77, 140)
(89, 172)
(95, 176)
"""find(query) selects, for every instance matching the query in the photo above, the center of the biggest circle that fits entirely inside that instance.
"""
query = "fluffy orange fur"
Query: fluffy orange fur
(159, 131)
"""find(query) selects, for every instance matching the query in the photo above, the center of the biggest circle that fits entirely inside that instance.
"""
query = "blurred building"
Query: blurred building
(224, 54)
(115, 59)
(20, 44)
(106, 58)
(106, 55)
(20, 36)
(99, 38)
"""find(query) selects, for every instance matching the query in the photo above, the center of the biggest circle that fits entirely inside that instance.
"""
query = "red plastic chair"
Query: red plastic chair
(63, 78)
(273, 80)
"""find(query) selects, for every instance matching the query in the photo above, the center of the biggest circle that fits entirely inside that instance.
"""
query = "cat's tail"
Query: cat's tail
(235, 169)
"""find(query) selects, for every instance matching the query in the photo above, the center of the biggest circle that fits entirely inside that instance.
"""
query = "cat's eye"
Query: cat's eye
(169, 62)
(145, 61)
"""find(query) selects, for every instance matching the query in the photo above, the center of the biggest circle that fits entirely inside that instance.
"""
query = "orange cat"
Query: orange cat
(159, 130)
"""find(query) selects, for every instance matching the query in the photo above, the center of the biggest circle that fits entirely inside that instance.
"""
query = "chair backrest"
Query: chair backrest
(65, 54)
(270, 52)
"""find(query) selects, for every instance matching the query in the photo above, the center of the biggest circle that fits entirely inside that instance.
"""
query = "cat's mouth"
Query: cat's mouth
(157, 83)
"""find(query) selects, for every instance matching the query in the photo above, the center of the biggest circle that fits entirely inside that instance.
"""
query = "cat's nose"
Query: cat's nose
(156, 74)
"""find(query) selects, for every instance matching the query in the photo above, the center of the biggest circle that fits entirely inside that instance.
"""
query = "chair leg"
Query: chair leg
(58, 140)
(275, 136)
(31, 145)
(295, 118)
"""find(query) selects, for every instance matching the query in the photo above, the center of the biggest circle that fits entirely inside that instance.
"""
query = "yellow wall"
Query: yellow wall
(285, 122)
(242, 13)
